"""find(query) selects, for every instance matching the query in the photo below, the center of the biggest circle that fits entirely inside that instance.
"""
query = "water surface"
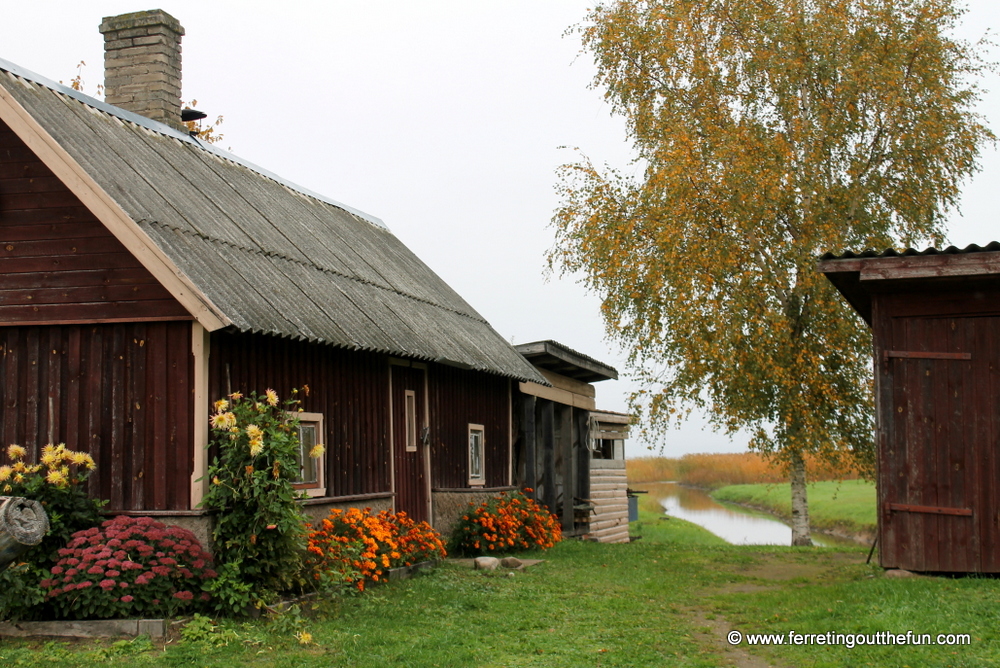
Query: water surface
(734, 524)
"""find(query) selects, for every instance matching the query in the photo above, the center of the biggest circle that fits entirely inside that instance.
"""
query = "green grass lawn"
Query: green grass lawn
(848, 504)
(668, 599)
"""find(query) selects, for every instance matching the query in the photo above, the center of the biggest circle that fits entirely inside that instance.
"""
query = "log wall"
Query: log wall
(608, 487)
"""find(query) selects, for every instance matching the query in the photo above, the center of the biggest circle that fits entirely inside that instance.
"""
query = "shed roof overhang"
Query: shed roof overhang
(858, 276)
(553, 356)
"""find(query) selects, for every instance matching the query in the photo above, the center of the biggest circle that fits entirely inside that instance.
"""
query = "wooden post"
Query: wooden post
(568, 469)
(23, 524)
(546, 426)
(528, 434)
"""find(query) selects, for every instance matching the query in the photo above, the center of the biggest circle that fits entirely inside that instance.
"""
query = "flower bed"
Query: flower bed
(356, 545)
(129, 567)
(505, 523)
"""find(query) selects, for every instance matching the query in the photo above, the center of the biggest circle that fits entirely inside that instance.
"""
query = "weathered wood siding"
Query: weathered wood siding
(121, 392)
(458, 398)
(409, 467)
(609, 494)
(350, 388)
(937, 367)
(59, 263)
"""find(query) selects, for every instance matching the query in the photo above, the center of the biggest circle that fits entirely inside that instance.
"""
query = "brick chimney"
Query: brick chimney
(142, 64)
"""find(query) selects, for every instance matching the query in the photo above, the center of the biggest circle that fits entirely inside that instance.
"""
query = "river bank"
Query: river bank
(846, 509)
(737, 524)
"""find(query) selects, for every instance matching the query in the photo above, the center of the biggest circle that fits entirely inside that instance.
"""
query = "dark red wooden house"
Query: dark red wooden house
(144, 274)
(935, 320)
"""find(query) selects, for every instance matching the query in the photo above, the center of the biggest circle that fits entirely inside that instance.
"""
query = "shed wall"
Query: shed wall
(937, 361)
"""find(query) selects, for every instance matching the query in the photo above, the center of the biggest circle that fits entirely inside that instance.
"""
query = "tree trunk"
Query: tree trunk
(800, 503)
(23, 524)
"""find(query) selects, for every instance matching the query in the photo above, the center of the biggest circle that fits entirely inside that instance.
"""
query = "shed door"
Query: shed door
(935, 437)
(410, 463)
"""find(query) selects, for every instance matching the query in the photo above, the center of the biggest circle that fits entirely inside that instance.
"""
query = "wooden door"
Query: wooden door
(933, 437)
(410, 463)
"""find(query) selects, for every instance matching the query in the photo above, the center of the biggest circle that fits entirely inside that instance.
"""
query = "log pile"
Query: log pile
(23, 524)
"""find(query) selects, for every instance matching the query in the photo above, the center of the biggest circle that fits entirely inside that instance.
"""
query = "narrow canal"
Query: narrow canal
(736, 525)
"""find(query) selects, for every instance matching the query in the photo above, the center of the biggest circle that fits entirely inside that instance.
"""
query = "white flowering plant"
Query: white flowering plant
(258, 522)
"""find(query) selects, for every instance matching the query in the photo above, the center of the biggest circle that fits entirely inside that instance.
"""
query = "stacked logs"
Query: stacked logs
(23, 524)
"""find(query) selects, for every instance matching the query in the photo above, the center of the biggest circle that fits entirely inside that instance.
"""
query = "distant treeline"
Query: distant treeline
(712, 471)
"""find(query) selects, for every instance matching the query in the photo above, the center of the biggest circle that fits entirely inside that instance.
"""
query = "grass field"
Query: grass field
(669, 599)
(849, 505)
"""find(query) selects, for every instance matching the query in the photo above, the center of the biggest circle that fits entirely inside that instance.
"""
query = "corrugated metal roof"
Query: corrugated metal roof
(991, 247)
(270, 256)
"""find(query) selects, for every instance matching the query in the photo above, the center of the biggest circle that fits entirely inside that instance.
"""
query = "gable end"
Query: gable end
(58, 263)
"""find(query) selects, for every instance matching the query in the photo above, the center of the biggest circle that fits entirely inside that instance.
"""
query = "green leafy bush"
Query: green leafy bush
(58, 482)
(258, 522)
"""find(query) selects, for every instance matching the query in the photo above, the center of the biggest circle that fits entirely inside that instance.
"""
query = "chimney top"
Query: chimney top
(142, 64)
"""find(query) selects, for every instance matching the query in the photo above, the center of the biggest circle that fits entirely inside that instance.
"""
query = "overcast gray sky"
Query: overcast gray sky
(444, 118)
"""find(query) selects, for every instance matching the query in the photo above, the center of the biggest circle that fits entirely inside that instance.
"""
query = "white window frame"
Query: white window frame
(410, 417)
(318, 488)
(477, 480)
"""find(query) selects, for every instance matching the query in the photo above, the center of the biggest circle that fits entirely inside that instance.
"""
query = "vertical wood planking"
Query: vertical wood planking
(350, 388)
(458, 398)
(96, 378)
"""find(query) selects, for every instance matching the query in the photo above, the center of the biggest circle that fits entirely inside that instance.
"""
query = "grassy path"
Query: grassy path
(666, 600)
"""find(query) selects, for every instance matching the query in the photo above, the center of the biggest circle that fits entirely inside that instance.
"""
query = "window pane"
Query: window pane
(307, 465)
(411, 420)
(475, 454)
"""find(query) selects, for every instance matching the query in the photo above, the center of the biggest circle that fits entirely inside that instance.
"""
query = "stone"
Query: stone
(486, 563)
(511, 562)
(900, 573)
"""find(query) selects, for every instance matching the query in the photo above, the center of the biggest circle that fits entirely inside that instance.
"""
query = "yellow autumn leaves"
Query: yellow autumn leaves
(55, 465)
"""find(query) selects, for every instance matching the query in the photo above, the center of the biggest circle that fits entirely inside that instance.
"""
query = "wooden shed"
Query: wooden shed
(935, 320)
(144, 274)
(568, 452)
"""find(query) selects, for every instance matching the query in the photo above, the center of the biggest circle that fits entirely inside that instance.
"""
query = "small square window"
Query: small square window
(310, 478)
(477, 455)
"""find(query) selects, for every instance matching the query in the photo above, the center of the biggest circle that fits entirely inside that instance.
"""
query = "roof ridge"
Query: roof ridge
(313, 265)
(163, 129)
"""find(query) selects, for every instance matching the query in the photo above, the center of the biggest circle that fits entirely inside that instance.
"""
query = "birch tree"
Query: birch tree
(766, 132)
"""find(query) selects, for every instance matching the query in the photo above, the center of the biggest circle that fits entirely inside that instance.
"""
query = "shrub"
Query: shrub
(130, 566)
(356, 545)
(58, 482)
(258, 522)
(505, 523)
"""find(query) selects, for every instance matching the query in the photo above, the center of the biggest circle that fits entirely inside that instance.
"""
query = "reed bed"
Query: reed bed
(717, 470)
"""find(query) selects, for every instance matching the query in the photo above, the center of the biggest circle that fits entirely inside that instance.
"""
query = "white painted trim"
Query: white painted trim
(411, 420)
(476, 482)
(200, 347)
(321, 464)
(106, 210)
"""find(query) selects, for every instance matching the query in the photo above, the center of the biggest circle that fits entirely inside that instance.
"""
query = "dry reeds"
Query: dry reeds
(718, 470)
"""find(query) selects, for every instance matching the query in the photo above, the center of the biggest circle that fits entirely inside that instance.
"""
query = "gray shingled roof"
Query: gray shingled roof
(269, 256)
